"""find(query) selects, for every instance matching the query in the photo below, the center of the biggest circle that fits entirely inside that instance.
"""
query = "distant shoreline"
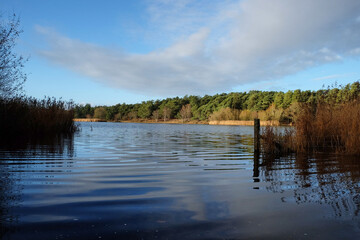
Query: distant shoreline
(171, 121)
(89, 120)
(180, 121)
(245, 123)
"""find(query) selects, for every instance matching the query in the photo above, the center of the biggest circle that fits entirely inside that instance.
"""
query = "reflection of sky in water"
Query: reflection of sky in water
(173, 181)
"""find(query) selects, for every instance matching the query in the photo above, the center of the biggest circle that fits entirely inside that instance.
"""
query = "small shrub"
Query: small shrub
(100, 112)
(225, 114)
(245, 115)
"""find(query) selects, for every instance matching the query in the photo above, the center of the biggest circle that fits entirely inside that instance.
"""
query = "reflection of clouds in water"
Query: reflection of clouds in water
(185, 179)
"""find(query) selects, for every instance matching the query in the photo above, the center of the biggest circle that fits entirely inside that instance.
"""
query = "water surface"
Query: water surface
(163, 181)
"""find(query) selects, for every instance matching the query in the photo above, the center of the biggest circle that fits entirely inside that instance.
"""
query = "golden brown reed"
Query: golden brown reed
(31, 118)
(274, 142)
(325, 127)
(329, 127)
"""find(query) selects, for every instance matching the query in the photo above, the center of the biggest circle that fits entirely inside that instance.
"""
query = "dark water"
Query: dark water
(149, 181)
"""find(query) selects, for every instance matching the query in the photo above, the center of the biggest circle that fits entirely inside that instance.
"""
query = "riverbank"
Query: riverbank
(245, 123)
(171, 121)
(89, 120)
(180, 121)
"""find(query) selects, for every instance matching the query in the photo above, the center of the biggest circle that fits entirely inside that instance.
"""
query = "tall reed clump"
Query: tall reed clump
(26, 117)
(329, 127)
(324, 127)
(277, 142)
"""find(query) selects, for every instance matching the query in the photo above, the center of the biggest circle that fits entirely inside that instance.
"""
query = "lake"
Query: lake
(170, 181)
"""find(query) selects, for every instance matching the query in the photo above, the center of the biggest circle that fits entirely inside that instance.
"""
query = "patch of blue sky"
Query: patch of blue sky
(109, 52)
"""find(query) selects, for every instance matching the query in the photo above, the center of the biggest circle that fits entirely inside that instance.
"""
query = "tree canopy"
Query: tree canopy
(249, 103)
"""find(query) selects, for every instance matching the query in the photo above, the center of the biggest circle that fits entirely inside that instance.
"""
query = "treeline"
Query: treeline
(266, 105)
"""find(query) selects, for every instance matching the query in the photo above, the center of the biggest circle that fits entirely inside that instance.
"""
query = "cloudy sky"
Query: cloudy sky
(108, 52)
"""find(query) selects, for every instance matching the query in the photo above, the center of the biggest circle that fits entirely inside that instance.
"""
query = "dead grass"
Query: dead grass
(274, 142)
(324, 127)
(329, 127)
(31, 118)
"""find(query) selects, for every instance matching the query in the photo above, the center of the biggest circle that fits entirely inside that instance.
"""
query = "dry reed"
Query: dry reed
(324, 127)
(276, 142)
(32, 118)
(329, 127)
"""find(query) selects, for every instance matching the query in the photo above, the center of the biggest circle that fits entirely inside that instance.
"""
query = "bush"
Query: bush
(225, 114)
(100, 113)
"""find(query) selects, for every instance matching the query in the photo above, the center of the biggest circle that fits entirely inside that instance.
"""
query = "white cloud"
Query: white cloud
(334, 76)
(232, 43)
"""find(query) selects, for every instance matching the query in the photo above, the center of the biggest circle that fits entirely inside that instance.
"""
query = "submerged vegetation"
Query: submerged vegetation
(27, 118)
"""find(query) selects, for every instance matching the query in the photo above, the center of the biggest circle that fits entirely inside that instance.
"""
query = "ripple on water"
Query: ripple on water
(133, 181)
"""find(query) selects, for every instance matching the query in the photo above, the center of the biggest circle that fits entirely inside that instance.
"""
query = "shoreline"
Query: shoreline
(171, 121)
(89, 120)
(245, 123)
(180, 121)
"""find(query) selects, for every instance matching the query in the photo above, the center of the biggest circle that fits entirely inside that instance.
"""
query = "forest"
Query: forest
(265, 105)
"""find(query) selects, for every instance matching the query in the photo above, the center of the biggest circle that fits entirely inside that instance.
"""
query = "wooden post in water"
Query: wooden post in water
(256, 135)
(256, 171)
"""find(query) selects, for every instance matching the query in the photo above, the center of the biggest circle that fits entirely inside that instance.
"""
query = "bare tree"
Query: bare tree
(185, 112)
(166, 113)
(117, 117)
(132, 115)
(156, 115)
(12, 77)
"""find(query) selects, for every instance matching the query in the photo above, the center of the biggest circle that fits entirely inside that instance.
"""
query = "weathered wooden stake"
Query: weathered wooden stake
(256, 135)
(256, 171)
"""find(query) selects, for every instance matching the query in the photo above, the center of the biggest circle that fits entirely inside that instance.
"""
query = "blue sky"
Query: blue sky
(109, 52)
